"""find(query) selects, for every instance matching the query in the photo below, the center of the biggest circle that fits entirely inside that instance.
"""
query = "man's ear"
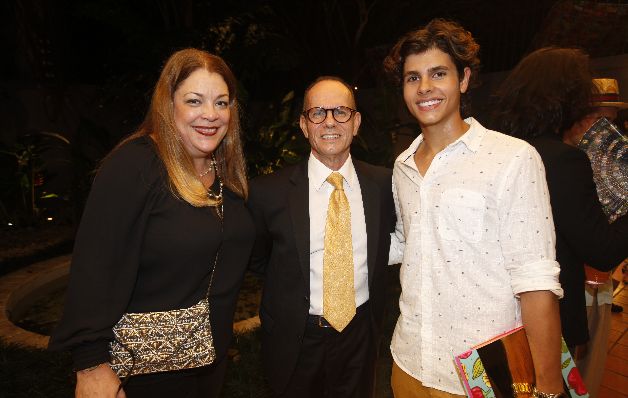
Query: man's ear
(303, 125)
(357, 119)
(464, 82)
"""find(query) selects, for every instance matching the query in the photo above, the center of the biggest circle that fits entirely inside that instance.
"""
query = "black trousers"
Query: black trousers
(205, 382)
(333, 364)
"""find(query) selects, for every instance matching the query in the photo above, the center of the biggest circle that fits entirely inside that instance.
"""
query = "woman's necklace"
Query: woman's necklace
(212, 166)
(217, 198)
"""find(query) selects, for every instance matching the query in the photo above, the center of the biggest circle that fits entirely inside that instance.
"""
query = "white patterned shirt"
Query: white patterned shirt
(471, 234)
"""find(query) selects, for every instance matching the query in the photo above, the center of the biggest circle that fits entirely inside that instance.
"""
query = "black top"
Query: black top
(139, 248)
(583, 234)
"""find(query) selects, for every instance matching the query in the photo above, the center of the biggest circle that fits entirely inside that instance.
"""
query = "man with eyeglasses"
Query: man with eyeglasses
(323, 230)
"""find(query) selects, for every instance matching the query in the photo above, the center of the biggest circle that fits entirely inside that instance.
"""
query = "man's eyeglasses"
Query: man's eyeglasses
(317, 115)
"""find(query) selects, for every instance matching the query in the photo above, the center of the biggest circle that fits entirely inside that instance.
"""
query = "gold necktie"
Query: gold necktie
(338, 290)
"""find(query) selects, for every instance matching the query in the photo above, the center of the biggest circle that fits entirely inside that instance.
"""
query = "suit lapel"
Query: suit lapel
(298, 200)
(371, 201)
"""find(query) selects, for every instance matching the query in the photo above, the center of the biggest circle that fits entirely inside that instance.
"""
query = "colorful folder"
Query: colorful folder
(502, 365)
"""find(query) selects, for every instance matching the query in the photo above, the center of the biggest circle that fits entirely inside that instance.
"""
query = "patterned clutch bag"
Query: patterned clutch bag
(150, 342)
(502, 367)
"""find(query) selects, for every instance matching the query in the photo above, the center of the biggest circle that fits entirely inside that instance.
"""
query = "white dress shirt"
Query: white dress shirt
(471, 234)
(319, 192)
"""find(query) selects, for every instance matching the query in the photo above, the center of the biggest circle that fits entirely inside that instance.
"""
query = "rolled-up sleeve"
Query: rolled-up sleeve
(527, 231)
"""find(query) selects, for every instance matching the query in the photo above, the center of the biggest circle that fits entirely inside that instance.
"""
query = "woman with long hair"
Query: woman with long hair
(163, 245)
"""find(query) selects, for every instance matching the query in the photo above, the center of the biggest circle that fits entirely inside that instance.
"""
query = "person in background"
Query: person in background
(323, 234)
(599, 287)
(165, 218)
(474, 227)
(547, 100)
(604, 103)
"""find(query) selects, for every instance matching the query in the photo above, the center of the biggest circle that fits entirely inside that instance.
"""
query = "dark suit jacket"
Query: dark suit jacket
(583, 234)
(279, 204)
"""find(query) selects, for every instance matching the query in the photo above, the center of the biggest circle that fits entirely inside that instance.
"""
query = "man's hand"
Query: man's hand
(100, 382)
(539, 312)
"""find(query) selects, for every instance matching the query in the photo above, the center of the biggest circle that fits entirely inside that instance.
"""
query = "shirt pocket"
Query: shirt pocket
(461, 215)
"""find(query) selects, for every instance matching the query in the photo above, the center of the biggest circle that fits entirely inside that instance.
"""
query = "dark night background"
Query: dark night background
(77, 75)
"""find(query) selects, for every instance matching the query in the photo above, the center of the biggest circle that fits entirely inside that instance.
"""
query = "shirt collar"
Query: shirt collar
(471, 139)
(317, 173)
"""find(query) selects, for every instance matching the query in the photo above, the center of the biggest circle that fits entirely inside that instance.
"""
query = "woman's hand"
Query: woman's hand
(99, 382)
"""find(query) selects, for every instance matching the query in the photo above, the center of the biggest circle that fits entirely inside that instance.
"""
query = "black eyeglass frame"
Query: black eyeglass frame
(306, 113)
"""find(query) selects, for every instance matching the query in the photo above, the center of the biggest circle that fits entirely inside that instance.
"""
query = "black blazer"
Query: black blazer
(279, 204)
(583, 234)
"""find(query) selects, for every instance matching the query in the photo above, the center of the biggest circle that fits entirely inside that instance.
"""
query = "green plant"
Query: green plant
(29, 175)
(49, 175)
(279, 141)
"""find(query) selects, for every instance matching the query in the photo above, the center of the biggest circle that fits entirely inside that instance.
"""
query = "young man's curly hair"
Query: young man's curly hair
(447, 36)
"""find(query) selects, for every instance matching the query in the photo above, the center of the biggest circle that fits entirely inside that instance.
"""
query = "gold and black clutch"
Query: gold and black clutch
(150, 342)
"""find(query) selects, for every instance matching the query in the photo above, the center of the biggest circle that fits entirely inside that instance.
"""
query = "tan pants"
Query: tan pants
(406, 386)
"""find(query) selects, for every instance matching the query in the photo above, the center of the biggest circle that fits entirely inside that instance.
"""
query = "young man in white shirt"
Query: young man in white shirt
(474, 231)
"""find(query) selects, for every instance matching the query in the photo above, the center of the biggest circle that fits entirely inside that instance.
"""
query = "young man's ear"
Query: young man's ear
(464, 82)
